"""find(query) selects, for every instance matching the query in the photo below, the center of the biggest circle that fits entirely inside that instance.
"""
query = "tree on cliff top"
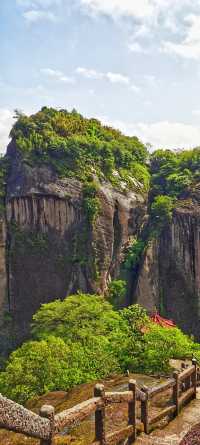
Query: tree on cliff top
(80, 147)
(173, 173)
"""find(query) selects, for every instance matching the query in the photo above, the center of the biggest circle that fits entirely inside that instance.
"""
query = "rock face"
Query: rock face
(5, 316)
(169, 277)
(51, 249)
(147, 292)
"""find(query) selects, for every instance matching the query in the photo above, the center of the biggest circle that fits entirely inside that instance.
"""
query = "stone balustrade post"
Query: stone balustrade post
(48, 412)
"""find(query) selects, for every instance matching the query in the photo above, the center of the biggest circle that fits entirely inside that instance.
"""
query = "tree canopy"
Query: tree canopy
(82, 339)
(78, 147)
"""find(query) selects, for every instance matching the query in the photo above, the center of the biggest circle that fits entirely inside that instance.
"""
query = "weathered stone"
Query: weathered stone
(14, 417)
(169, 277)
(52, 249)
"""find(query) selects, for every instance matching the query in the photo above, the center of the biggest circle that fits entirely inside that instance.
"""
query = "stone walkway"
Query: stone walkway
(173, 433)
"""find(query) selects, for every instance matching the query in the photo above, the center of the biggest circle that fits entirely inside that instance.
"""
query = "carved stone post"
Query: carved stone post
(132, 412)
(100, 433)
(48, 412)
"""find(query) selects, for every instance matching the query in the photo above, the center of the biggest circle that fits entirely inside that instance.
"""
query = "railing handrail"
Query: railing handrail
(79, 412)
(160, 388)
(186, 373)
(15, 417)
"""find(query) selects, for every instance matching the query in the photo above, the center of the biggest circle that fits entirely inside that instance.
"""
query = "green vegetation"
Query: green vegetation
(116, 293)
(26, 240)
(51, 364)
(161, 214)
(82, 339)
(91, 201)
(134, 253)
(173, 173)
(77, 318)
(162, 344)
(162, 208)
(81, 148)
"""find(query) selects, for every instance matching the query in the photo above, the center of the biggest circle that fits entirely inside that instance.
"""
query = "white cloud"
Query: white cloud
(57, 75)
(196, 112)
(39, 10)
(189, 47)
(167, 134)
(136, 47)
(6, 122)
(163, 134)
(115, 8)
(151, 15)
(135, 88)
(115, 78)
(151, 80)
(38, 3)
(34, 15)
(139, 9)
(90, 73)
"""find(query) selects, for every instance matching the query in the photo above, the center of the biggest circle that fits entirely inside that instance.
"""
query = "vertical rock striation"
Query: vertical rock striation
(169, 277)
(52, 249)
(5, 319)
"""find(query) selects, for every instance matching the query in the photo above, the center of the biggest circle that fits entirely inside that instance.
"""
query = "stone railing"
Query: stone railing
(47, 425)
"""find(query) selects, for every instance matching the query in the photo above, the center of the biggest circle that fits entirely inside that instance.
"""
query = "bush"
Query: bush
(50, 365)
(134, 253)
(78, 147)
(161, 345)
(91, 202)
(36, 368)
(173, 173)
(79, 318)
(161, 211)
(82, 339)
(132, 348)
(116, 293)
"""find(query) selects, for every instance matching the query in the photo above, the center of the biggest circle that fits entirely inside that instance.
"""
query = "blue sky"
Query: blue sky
(134, 64)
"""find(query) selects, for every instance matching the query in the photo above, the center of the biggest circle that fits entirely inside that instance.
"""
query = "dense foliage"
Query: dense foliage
(134, 253)
(173, 176)
(116, 293)
(81, 148)
(52, 364)
(161, 214)
(172, 173)
(91, 201)
(78, 318)
(82, 339)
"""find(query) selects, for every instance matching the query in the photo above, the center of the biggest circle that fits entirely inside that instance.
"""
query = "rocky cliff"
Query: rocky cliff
(78, 199)
(169, 276)
(48, 249)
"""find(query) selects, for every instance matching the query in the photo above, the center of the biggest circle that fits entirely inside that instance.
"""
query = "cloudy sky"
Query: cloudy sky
(132, 63)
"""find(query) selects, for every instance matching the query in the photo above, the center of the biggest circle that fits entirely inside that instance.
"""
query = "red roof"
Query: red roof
(156, 318)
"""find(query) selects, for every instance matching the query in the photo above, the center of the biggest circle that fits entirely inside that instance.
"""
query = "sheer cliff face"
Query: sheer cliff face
(169, 277)
(51, 249)
(48, 250)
